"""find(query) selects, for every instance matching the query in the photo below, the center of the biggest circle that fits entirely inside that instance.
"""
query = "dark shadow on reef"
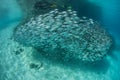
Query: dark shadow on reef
(73, 64)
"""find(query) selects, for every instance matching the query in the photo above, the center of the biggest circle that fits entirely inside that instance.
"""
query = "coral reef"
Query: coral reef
(66, 34)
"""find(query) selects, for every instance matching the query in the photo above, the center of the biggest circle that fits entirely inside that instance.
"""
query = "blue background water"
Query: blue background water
(107, 12)
(9, 13)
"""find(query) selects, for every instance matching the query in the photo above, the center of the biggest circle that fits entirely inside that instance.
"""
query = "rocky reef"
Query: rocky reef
(37, 7)
(65, 34)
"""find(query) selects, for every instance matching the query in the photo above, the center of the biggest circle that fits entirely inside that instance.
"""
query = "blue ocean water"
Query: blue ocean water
(9, 13)
(107, 12)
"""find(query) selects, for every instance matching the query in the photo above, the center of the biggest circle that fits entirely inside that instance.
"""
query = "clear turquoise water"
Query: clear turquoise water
(107, 12)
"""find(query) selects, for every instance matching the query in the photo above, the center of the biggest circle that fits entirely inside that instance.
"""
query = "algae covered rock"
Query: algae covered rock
(65, 33)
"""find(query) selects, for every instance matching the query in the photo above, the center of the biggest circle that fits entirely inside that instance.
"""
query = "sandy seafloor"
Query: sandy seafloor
(16, 66)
